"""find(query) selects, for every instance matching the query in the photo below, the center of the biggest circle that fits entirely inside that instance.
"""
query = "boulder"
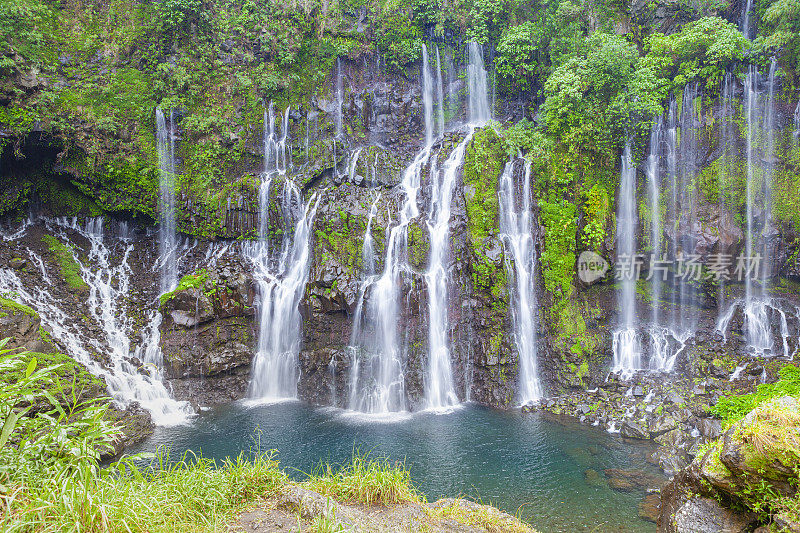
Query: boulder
(705, 515)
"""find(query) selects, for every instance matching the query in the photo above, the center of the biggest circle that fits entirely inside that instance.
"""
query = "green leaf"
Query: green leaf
(31, 367)
(8, 427)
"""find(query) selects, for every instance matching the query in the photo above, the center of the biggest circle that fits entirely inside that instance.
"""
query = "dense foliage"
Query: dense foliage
(734, 408)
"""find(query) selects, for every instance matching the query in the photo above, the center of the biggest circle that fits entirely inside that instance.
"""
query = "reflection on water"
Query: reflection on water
(551, 473)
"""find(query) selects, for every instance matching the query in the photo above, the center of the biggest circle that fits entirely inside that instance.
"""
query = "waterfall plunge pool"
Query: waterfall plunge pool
(549, 472)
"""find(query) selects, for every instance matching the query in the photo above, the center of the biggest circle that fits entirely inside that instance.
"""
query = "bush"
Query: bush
(733, 408)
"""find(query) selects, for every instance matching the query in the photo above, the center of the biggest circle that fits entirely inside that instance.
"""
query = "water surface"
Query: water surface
(549, 472)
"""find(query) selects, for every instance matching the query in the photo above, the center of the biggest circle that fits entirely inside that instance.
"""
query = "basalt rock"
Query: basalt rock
(208, 335)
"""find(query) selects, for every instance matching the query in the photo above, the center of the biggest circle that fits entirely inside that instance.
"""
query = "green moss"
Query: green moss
(70, 270)
(13, 307)
(483, 163)
(198, 280)
(418, 244)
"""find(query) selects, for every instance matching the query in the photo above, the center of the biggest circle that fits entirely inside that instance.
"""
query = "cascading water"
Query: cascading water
(439, 390)
(478, 111)
(439, 94)
(339, 99)
(757, 306)
(109, 287)
(281, 287)
(368, 269)
(627, 352)
(744, 19)
(685, 319)
(277, 158)
(516, 228)
(167, 235)
(351, 167)
(380, 385)
(796, 122)
(427, 95)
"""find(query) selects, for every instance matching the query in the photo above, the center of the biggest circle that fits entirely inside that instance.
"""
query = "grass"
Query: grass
(365, 480)
(190, 495)
(70, 270)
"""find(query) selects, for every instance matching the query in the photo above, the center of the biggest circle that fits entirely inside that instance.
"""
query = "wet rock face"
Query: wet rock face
(208, 335)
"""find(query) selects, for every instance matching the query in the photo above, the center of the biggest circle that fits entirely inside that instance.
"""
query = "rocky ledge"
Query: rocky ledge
(297, 508)
(744, 481)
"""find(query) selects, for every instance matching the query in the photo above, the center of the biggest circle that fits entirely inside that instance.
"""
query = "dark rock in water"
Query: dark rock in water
(704, 515)
(621, 484)
(638, 391)
(593, 477)
(648, 507)
(135, 423)
(634, 430)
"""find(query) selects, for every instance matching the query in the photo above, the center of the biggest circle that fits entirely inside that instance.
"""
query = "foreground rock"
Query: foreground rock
(298, 509)
(747, 478)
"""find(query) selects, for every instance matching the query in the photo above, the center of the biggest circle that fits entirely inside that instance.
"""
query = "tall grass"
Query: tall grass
(188, 495)
(365, 479)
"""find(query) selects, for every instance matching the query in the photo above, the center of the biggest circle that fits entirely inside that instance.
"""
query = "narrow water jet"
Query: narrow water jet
(427, 96)
(516, 229)
(478, 111)
(339, 118)
(439, 94)
(625, 344)
(167, 233)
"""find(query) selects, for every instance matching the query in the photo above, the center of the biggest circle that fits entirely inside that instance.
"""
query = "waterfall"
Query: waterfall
(167, 236)
(380, 387)
(686, 317)
(277, 158)
(439, 378)
(109, 287)
(439, 94)
(768, 164)
(796, 132)
(516, 229)
(427, 96)
(654, 184)
(627, 353)
(744, 19)
(665, 342)
(339, 99)
(759, 335)
(281, 287)
(351, 166)
(659, 345)
(760, 155)
(478, 112)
